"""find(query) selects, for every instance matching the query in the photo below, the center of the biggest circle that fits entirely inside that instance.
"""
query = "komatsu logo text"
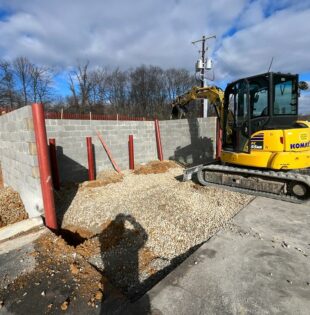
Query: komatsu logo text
(300, 145)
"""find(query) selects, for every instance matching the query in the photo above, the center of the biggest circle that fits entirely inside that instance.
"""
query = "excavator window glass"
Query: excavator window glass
(285, 96)
(259, 97)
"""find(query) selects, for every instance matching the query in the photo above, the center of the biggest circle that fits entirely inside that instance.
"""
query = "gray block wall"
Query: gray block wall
(18, 158)
(71, 136)
(188, 141)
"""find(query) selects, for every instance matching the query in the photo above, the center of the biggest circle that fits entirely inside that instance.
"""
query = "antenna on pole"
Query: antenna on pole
(270, 64)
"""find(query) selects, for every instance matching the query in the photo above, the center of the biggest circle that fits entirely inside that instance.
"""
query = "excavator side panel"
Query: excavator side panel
(297, 140)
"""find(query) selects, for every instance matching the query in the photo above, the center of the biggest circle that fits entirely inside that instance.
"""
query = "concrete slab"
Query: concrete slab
(258, 265)
(12, 230)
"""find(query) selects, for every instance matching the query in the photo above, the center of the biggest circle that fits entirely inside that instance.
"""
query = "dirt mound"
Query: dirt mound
(83, 233)
(104, 178)
(155, 167)
(12, 209)
(61, 261)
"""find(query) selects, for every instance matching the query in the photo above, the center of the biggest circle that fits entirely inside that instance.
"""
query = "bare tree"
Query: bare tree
(73, 100)
(80, 84)
(118, 90)
(147, 90)
(40, 83)
(22, 68)
(178, 81)
(7, 92)
(98, 87)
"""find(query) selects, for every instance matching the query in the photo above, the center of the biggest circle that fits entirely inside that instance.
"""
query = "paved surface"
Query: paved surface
(258, 265)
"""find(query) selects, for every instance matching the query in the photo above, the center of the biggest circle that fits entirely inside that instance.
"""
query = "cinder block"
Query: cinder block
(32, 148)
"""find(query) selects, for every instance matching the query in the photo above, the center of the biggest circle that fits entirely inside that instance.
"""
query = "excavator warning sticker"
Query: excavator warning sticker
(303, 136)
(257, 141)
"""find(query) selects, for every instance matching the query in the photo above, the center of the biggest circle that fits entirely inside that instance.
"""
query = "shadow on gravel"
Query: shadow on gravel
(71, 174)
(120, 243)
(129, 267)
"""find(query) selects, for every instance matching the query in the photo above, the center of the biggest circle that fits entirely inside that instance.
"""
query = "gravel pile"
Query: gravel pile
(149, 221)
(12, 209)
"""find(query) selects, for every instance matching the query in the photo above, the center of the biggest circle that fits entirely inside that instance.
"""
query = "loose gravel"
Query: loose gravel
(175, 215)
(150, 220)
(12, 209)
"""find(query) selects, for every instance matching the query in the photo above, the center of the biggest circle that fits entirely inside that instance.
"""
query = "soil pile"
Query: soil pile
(155, 167)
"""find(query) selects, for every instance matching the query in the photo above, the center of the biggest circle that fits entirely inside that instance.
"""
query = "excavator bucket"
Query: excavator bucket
(179, 111)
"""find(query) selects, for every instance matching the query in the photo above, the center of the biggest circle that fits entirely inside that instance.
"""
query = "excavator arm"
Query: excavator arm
(213, 94)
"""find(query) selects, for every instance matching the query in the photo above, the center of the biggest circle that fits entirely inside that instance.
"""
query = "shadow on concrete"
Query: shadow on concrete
(199, 151)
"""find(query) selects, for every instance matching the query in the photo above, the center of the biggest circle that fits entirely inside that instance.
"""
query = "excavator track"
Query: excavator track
(292, 186)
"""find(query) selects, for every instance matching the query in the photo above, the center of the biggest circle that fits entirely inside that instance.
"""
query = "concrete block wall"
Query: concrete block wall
(18, 158)
(188, 141)
(71, 136)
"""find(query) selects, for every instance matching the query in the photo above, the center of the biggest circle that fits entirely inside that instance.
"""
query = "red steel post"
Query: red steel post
(158, 141)
(54, 164)
(219, 134)
(44, 166)
(90, 156)
(131, 153)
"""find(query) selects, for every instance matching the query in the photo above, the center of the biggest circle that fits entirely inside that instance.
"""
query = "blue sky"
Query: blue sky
(159, 32)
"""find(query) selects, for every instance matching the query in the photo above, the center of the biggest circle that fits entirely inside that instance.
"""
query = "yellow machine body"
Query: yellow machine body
(275, 149)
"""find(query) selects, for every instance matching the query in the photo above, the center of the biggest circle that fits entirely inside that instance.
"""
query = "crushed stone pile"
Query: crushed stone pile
(12, 209)
(147, 221)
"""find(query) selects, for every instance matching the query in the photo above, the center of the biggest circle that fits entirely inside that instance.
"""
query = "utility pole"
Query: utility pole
(203, 51)
(201, 66)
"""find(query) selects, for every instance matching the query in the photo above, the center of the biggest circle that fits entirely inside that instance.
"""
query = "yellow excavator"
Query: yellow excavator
(265, 148)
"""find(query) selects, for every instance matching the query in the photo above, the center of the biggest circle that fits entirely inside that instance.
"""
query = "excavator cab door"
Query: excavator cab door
(237, 98)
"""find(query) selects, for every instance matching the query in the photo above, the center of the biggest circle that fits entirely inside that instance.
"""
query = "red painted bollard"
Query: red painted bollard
(54, 164)
(131, 153)
(158, 141)
(44, 166)
(90, 156)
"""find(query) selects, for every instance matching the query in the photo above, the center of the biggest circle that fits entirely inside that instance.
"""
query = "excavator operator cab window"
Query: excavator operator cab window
(285, 96)
(259, 98)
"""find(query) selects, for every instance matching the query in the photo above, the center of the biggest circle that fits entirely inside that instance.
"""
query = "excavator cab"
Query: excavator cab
(263, 102)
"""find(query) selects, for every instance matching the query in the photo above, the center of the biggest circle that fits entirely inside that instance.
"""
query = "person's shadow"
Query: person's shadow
(120, 243)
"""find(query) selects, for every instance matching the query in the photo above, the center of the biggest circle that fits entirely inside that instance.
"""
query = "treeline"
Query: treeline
(142, 91)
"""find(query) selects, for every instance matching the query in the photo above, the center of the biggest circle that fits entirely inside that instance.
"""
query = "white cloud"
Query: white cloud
(304, 103)
(128, 33)
(282, 35)
(110, 32)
